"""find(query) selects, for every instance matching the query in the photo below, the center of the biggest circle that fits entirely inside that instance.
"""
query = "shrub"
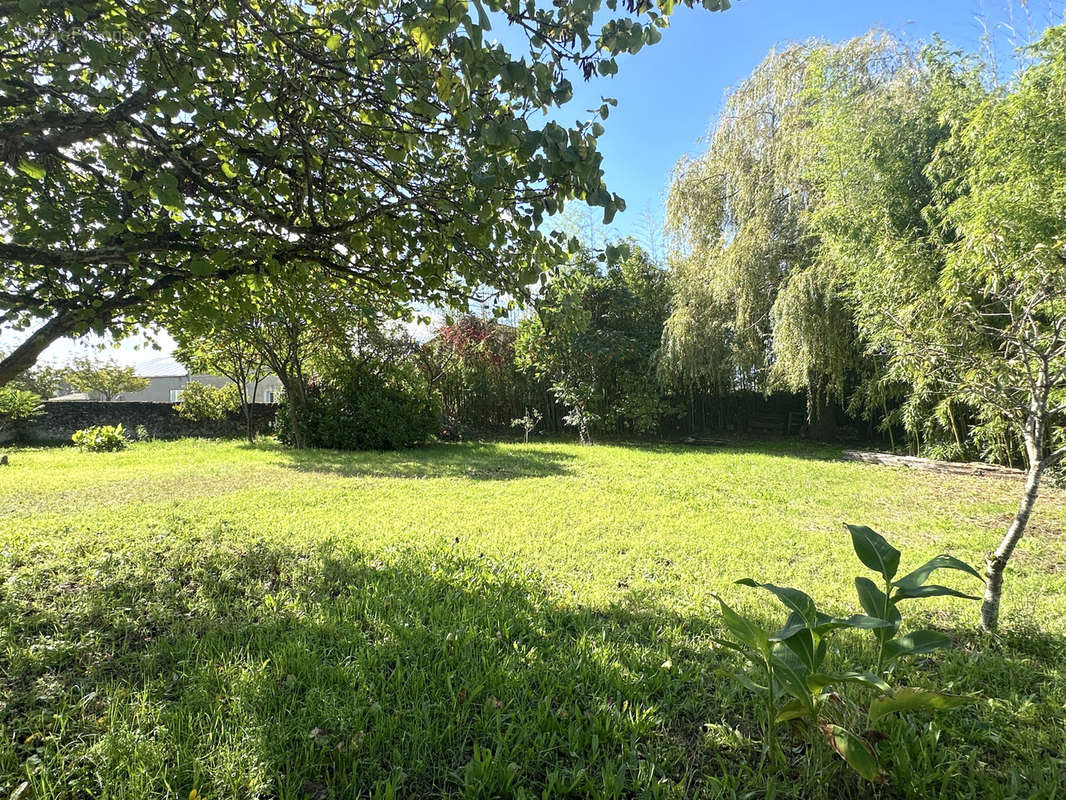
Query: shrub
(17, 407)
(101, 438)
(201, 402)
(363, 408)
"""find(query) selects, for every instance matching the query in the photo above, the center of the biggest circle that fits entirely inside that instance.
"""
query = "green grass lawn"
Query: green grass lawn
(486, 620)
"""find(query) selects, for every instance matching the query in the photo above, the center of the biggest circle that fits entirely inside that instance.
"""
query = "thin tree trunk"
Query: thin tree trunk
(997, 560)
(1034, 436)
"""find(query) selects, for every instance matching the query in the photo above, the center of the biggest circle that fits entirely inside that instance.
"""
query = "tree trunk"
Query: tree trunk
(997, 560)
(297, 409)
(25, 355)
(1033, 434)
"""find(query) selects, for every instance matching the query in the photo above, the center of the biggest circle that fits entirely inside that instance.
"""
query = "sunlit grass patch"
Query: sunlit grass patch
(483, 620)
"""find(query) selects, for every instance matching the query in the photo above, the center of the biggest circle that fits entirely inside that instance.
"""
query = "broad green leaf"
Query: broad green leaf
(874, 551)
(915, 643)
(791, 674)
(855, 751)
(930, 590)
(333, 42)
(859, 621)
(35, 171)
(793, 709)
(911, 699)
(876, 603)
(793, 599)
(422, 38)
(820, 680)
(803, 644)
(921, 575)
(482, 17)
(746, 631)
(873, 601)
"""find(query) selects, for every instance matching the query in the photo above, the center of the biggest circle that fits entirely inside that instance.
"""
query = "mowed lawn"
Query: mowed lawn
(487, 620)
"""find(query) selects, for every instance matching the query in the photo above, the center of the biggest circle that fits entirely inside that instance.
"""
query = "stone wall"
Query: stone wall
(62, 418)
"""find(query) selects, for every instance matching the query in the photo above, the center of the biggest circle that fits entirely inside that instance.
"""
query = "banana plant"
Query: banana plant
(792, 663)
(882, 601)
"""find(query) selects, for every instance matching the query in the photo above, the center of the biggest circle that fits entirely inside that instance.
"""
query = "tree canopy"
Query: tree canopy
(151, 148)
(757, 305)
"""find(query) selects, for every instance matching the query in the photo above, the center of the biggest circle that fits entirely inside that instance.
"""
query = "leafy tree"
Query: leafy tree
(471, 364)
(756, 304)
(390, 144)
(595, 337)
(221, 353)
(293, 330)
(106, 378)
(945, 212)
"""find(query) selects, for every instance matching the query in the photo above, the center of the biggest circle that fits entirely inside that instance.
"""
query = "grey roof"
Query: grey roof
(162, 367)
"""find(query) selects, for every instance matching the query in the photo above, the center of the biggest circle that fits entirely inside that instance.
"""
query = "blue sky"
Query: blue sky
(668, 94)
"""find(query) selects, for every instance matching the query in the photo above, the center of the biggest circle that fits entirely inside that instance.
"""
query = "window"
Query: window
(270, 396)
(175, 395)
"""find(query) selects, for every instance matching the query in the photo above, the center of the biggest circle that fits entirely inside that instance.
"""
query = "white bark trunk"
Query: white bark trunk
(997, 560)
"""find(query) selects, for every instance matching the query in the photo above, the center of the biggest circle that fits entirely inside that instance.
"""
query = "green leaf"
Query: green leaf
(820, 680)
(793, 709)
(794, 600)
(855, 751)
(857, 621)
(745, 631)
(333, 42)
(873, 551)
(792, 674)
(921, 575)
(930, 590)
(911, 699)
(422, 38)
(35, 171)
(482, 17)
(874, 602)
(915, 643)
(745, 680)
(803, 645)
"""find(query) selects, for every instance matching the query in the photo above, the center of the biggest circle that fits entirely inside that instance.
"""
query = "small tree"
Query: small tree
(222, 353)
(954, 244)
(1004, 337)
(103, 377)
(527, 423)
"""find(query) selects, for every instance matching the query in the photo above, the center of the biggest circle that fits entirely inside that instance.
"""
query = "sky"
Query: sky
(669, 94)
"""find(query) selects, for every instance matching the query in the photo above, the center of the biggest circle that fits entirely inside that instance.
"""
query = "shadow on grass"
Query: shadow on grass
(473, 460)
(265, 672)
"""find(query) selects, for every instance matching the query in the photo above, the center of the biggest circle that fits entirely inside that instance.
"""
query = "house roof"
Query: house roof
(162, 367)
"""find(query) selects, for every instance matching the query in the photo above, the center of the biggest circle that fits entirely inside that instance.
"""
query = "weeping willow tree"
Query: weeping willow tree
(759, 303)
